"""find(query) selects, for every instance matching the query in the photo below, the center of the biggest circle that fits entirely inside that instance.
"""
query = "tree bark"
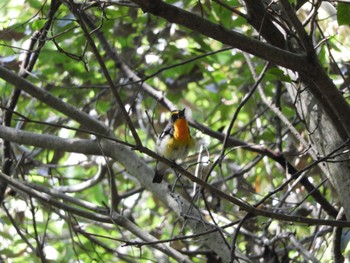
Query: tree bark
(325, 138)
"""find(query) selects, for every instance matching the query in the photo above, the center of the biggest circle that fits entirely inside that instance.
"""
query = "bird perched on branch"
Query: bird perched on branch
(174, 142)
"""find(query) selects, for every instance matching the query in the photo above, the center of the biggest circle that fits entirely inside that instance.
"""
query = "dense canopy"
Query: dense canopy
(87, 86)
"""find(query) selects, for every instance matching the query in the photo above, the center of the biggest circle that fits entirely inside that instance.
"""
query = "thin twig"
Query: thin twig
(234, 117)
(18, 230)
(77, 13)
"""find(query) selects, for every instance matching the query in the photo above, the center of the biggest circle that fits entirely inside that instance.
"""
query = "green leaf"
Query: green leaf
(38, 24)
(276, 73)
(35, 4)
(343, 14)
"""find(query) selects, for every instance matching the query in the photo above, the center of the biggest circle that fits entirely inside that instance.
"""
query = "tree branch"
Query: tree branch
(77, 14)
(307, 44)
(321, 87)
(114, 218)
(136, 167)
(81, 117)
(31, 57)
(232, 38)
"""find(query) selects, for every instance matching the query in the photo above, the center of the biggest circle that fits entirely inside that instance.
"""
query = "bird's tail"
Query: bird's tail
(159, 173)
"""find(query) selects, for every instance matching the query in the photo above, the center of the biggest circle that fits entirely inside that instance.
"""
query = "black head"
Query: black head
(177, 114)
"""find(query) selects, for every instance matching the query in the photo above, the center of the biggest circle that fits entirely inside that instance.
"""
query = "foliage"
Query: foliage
(153, 65)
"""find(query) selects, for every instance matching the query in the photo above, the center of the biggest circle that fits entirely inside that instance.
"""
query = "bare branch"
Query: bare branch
(47, 98)
(139, 169)
(126, 116)
(230, 37)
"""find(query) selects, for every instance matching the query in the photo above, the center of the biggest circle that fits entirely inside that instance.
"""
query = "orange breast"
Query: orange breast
(181, 132)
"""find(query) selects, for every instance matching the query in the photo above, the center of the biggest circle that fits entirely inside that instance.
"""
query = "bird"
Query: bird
(174, 142)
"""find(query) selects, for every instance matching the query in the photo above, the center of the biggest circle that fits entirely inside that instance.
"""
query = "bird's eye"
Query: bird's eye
(174, 115)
